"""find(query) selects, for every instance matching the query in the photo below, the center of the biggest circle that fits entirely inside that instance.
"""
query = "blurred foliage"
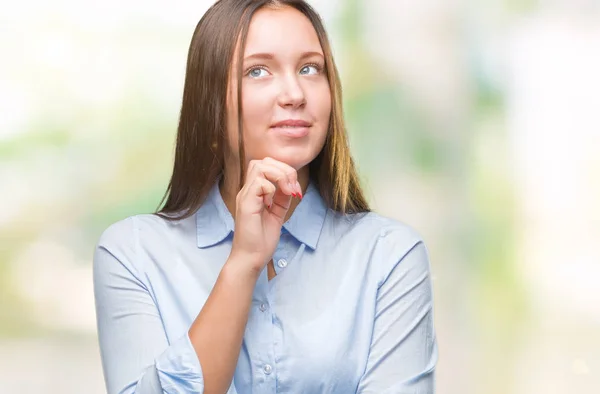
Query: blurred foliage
(521, 6)
(42, 137)
(375, 101)
(14, 319)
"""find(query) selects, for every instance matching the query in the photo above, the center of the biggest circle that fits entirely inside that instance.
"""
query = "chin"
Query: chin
(296, 159)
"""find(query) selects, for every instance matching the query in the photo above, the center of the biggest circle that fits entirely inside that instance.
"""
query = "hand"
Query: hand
(261, 208)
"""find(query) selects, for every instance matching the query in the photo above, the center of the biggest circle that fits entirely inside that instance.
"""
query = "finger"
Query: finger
(277, 202)
(273, 174)
(281, 205)
(289, 171)
(258, 193)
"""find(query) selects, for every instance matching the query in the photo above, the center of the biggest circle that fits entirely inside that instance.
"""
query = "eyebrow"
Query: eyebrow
(271, 56)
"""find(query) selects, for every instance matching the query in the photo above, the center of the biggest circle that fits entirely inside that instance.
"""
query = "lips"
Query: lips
(292, 123)
(292, 128)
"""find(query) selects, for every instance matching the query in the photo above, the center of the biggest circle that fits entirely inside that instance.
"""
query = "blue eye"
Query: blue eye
(306, 70)
(257, 72)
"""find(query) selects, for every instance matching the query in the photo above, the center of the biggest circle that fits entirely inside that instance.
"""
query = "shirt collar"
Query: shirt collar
(306, 222)
(214, 222)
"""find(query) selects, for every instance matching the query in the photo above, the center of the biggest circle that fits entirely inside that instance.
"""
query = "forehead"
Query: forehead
(281, 31)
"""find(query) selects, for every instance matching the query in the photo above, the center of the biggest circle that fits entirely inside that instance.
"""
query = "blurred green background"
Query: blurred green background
(477, 123)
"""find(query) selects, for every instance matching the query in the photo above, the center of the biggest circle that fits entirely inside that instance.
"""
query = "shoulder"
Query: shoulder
(391, 241)
(129, 231)
(123, 239)
(140, 238)
(124, 233)
(118, 236)
(115, 252)
(404, 249)
(372, 225)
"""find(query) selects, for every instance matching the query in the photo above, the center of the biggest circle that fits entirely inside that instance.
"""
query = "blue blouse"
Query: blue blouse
(350, 310)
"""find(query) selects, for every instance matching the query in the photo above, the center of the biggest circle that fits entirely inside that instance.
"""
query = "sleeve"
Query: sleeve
(403, 351)
(136, 355)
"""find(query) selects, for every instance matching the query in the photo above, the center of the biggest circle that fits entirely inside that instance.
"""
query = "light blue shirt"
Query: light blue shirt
(350, 310)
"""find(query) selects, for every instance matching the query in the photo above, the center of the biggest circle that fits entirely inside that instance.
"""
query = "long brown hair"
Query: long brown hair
(201, 134)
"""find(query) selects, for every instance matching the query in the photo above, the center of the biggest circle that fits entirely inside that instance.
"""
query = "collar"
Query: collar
(214, 222)
(306, 222)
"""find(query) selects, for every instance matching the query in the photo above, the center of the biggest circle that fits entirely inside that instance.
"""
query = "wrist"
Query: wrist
(243, 266)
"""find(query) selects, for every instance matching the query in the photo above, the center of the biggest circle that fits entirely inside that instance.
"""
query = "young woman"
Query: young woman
(264, 272)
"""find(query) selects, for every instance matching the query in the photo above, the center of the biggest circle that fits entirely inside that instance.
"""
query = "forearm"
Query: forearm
(217, 332)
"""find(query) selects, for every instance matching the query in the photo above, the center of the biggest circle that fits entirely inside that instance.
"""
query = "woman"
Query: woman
(279, 280)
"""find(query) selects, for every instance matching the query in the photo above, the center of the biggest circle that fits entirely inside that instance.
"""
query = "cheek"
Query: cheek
(323, 104)
(257, 108)
(256, 117)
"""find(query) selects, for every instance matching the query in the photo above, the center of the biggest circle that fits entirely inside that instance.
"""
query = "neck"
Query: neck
(229, 183)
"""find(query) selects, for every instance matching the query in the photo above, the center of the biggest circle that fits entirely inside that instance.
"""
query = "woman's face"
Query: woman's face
(285, 93)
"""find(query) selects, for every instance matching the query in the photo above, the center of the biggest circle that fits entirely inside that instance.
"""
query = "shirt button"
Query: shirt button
(263, 307)
(282, 263)
(267, 369)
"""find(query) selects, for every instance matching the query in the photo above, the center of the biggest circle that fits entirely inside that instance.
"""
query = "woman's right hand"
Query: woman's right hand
(261, 207)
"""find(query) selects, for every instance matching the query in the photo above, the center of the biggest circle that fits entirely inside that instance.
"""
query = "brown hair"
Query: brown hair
(199, 151)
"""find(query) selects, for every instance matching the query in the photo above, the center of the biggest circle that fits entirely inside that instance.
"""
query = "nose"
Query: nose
(292, 94)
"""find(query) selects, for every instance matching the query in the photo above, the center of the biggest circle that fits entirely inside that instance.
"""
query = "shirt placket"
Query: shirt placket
(281, 257)
(261, 335)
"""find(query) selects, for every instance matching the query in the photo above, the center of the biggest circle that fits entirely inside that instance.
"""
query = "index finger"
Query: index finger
(289, 171)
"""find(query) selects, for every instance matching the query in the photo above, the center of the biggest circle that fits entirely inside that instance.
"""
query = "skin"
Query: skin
(287, 84)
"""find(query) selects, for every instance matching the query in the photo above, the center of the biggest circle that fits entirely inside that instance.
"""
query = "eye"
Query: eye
(310, 69)
(257, 72)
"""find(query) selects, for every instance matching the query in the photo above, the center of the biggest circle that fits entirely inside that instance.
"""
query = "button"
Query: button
(267, 369)
(282, 263)
(263, 307)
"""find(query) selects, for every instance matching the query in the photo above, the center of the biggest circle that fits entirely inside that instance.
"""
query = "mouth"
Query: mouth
(293, 128)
